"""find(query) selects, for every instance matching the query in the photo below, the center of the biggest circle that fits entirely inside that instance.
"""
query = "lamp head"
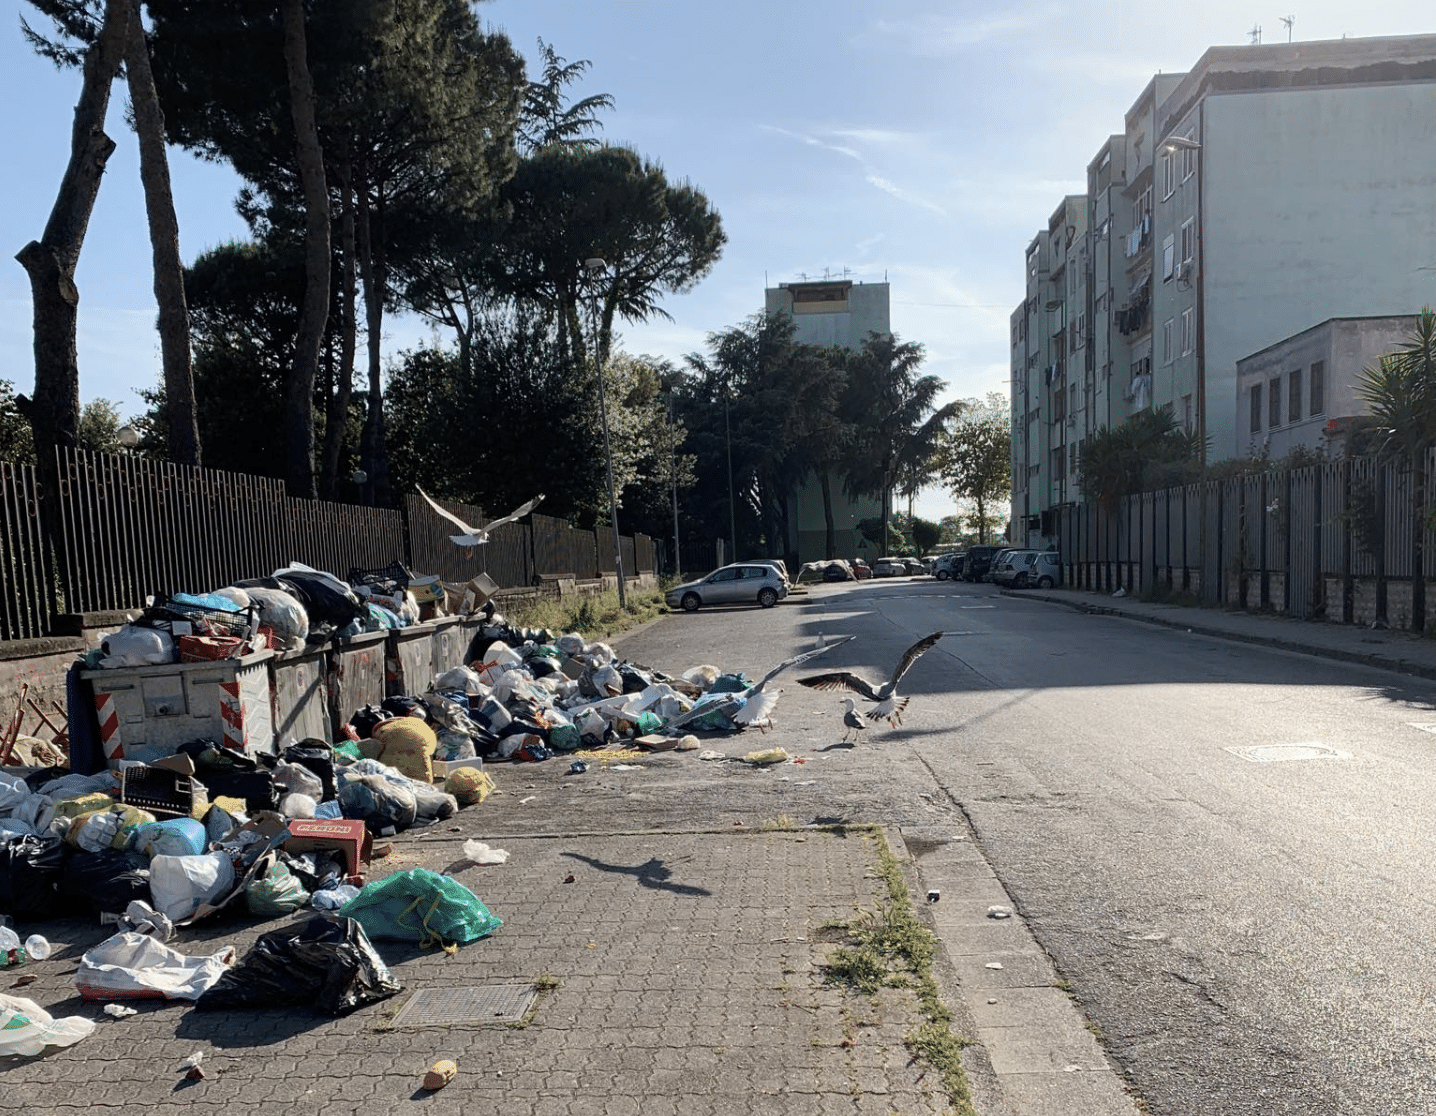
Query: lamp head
(595, 264)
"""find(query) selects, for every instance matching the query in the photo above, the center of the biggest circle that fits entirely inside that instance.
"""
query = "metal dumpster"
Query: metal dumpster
(146, 713)
(450, 643)
(410, 667)
(356, 676)
(301, 696)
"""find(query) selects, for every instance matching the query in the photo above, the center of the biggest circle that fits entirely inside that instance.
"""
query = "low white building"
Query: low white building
(1301, 391)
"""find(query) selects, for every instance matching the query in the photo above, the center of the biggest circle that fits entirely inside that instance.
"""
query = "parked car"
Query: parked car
(889, 567)
(740, 583)
(1045, 572)
(777, 563)
(946, 566)
(916, 567)
(837, 570)
(1010, 567)
(861, 570)
(978, 561)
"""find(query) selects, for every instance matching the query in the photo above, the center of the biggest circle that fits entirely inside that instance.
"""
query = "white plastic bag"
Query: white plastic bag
(134, 966)
(180, 885)
(26, 1028)
(298, 779)
(134, 646)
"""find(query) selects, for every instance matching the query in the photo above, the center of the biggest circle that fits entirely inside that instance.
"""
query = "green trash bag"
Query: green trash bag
(347, 752)
(275, 894)
(420, 906)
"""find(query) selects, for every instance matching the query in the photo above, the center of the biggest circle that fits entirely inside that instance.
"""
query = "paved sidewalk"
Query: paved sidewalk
(1390, 650)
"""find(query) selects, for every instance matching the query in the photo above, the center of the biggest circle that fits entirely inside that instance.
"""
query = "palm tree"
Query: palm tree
(895, 415)
(1400, 393)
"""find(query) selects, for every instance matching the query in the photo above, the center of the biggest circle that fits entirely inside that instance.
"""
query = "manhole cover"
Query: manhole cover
(449, 1007)
(1274, 753)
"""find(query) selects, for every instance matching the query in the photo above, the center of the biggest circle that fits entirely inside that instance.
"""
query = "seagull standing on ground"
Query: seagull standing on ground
(852, 721)
(477, 536)
(889, 707)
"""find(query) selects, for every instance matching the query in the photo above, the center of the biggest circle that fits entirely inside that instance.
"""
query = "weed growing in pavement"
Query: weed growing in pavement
(781, 824)
(890, 947)
(544, 985)
(595, 615)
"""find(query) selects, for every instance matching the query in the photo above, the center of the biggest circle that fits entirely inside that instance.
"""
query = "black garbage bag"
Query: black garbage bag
(365, 719)
(318, 756)
(403, 705)
(106, 881)
(211, 755)
(327, 964)
(385, 806)
(30, 867)
(315, 868)
(635, 680)
(323, 600)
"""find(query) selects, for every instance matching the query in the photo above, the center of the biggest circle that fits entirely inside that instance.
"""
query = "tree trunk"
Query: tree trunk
(338, 417)
(830, 541)
(299, 390)
(180, 416)
(371, 274)
(50, 261)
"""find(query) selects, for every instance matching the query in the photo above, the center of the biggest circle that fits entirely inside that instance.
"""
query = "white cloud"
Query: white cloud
(948, 34)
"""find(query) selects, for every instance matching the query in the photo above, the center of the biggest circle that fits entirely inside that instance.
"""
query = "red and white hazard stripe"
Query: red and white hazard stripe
(231, 712)
(111, 742)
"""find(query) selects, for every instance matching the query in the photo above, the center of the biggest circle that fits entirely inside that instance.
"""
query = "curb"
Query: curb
(1370, 658)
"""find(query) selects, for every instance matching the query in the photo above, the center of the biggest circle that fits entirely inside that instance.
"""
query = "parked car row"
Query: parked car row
(1014, 567)
(898, 567)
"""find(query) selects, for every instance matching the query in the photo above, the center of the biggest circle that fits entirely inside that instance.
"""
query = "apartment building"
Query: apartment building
(1271, 188)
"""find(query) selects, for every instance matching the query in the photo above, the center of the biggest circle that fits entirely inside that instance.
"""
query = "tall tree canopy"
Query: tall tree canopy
(975, 458)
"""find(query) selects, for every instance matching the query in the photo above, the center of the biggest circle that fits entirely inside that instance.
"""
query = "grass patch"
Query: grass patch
(591, 615)
(781, 824)
(544, 985)
(889, 947)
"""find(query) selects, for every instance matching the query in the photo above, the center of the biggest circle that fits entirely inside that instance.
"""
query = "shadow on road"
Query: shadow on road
(652, 873)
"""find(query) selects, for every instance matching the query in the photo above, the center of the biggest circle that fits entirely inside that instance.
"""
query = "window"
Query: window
(1144, 206)
(1072, 458)
(1167, 341)
(1169, 254)
(1256, 408)
(1188, 330)
(1169, 174)
(1189, 240)
(1293, 396)
(1318, 388)
(1273, 396)
(1187, 413)
(1059, 462)
(1189, 159)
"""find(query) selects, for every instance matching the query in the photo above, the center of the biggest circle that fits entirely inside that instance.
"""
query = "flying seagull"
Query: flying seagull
(889, 706)
(754, 705)
(477, 536)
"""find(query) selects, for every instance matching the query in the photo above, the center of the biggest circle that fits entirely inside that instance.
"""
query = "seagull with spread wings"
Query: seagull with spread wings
(754, 705)
(889, 706)
(477, 536)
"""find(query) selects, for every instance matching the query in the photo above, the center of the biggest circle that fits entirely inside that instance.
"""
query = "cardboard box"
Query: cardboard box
(349, 837)
(444, 768)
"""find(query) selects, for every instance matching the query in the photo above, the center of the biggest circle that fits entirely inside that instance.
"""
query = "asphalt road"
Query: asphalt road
(1225, 849)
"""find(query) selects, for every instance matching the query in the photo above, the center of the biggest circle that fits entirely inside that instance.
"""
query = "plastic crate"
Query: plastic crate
(394, 576)
(163, 792)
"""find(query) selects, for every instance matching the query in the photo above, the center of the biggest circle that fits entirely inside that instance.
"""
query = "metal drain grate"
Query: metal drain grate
(450, 1007)
(1276, 753)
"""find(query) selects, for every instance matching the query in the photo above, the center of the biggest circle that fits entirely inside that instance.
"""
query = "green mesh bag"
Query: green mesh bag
(421, 906)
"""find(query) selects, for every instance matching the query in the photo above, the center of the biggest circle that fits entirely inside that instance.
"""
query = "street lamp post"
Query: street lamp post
(673, 480)
(732, 504)
(595, 267)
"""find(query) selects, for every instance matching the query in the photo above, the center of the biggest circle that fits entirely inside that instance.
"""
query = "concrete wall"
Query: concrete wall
(846, 323)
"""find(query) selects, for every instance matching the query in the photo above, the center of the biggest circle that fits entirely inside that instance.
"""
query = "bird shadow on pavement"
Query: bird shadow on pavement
(652, 873)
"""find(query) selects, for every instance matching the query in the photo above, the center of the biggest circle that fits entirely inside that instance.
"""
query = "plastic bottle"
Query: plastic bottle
(10, 951)
(37, 947)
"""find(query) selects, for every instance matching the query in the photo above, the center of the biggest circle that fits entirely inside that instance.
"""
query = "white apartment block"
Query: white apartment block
(1272, 188)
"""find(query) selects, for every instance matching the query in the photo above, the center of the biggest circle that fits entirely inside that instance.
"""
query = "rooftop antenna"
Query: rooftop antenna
(1288, 20)
(1255, 34)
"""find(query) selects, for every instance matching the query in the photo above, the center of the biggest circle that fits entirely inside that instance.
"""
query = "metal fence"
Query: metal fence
(1331, 540)
(128, 527)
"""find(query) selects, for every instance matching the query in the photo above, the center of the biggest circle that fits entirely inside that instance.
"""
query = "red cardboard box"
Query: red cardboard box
(348, 837)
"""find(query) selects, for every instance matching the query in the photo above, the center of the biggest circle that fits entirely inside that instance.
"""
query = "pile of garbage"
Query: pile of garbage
(292, 608)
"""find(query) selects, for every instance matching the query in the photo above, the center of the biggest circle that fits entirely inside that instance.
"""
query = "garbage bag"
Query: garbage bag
(432, 803)
(134, 966)
(409, 744)
(182, 884)
(276, 893)
(318, 756)
(325, 963)
(295, 778)
(107, 829)
(30, 875)
(133, 646)
(364, 720)
(173, 837)
(326, 599)
(421, 906)
(105, 882)
(281, 611)
(384, 806)
(27, 1029)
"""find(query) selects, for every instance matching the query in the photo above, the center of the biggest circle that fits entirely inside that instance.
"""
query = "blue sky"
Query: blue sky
(924, 141)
